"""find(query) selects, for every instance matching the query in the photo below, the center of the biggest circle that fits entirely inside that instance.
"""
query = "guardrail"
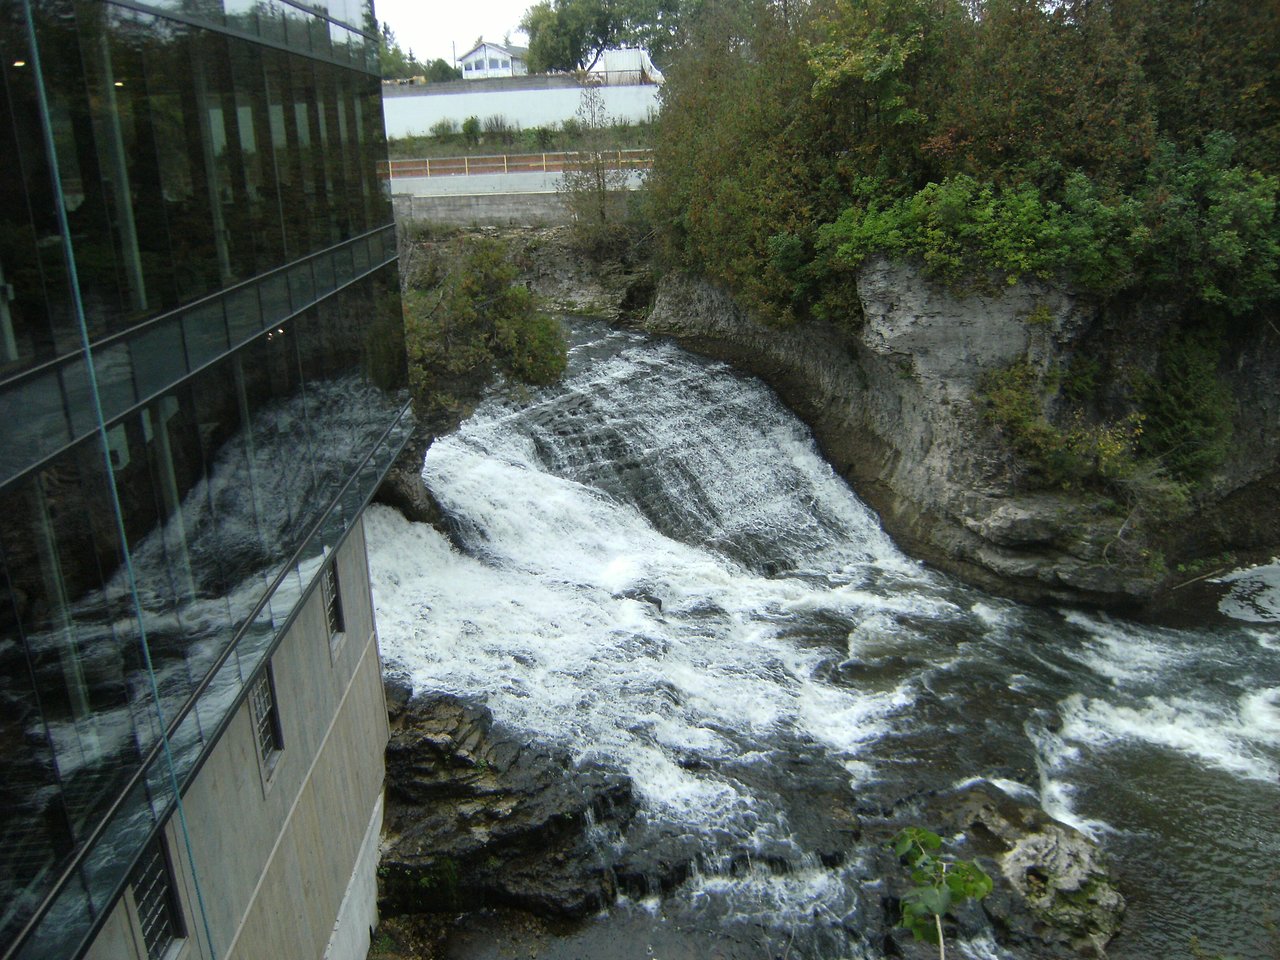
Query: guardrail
(638, 159)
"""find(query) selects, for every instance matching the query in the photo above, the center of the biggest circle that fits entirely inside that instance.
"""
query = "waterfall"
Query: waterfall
(652, 567)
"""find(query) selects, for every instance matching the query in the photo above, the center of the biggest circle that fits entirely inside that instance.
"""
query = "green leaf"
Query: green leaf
(967, 880)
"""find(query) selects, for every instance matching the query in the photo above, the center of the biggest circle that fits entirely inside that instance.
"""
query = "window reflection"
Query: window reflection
(219, 481)
(189, 161)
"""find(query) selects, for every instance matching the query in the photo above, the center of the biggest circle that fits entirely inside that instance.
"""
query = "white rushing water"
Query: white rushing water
(655, 570)
(577, 619)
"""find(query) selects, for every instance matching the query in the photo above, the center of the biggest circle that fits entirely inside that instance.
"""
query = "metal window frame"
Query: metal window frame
(264, 713)
(331, 598)
(168, 906)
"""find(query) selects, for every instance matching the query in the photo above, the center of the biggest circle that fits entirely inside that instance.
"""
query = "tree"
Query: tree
(592, 184)
(393, 62)
(572, 34)
(438, 71)
(469, 320)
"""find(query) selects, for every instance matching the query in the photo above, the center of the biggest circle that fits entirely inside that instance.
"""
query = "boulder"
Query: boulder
(1054, 889)
(476, 816)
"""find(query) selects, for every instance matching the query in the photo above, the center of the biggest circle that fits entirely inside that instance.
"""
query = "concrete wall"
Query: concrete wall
(413, 114)
(279, 857)
(483, 209)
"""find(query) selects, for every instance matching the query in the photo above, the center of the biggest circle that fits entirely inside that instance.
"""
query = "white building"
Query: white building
(626, 65)
(494, 60)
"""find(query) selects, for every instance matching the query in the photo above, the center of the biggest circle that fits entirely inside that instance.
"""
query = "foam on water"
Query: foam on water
(1254, 594)
(1233, 738)
(1056, 759)
(1267, 639)
(560, 652)
(656, 570)
(1126, 653)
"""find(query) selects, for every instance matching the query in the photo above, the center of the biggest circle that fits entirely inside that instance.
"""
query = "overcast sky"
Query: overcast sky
(431, 27)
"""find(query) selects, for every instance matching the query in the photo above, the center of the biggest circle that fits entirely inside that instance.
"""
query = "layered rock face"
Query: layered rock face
(897, 408)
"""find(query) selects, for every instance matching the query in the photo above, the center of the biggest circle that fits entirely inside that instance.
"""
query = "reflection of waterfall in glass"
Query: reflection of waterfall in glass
(242, 521)
(659, 572)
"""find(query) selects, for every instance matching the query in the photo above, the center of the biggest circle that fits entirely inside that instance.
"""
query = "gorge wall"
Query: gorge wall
(896, 404)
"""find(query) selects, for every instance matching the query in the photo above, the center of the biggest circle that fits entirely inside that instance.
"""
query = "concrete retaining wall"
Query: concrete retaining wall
(483, 209)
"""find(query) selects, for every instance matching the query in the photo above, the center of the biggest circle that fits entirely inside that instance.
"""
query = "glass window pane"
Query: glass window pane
(205, 331)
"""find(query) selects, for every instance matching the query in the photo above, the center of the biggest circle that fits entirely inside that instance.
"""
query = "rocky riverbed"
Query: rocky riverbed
(490, 839)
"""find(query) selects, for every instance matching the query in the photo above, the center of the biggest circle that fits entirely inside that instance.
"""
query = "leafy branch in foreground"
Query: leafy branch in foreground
(940, 882)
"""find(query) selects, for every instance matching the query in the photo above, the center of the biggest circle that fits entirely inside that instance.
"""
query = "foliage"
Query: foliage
(1112, 457)
(394, 63)
(498, 130)
(570, 35)
(1005, 138)
(939, 882)
(1081, 451)
(471, 129)
(961, 228)
(1209, 227)
(467, 320)
(1188, 408)
(592, 186)
(439, 71)
(446, 139)
(739, 164)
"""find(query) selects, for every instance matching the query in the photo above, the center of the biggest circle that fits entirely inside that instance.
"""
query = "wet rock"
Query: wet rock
(1054, 890)
(476, 817)
(403, 488)
(894, 396)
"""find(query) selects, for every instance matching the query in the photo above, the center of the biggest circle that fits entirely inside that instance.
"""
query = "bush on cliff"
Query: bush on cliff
(467, 321)
(998, 137)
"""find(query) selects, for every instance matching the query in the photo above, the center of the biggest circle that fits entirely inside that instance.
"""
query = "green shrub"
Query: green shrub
(498, 129)
(1187, 406)
(540, 138)
(962, 228)
(467, 320)
(1209, 230)
(471, 129)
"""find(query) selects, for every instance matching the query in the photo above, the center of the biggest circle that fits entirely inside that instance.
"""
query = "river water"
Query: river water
(659, 572)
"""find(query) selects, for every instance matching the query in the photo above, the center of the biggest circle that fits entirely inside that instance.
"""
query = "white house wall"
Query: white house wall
(408, 116)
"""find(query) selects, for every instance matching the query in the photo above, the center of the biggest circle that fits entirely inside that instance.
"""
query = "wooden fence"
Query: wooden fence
(641, 159)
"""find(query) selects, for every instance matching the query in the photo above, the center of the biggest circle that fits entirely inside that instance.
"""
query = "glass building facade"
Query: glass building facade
(202, 382)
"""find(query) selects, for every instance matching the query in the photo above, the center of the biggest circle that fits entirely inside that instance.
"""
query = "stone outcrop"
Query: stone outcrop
(895, 404)
(476, 817)
(1053, 893)
(1054, 888)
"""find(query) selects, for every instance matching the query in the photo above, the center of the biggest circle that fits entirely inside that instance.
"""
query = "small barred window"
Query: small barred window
(266, 719)
(332, 597)
(153, 894)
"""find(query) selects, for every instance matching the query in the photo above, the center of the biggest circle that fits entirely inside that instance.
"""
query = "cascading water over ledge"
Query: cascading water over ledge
(658, 576)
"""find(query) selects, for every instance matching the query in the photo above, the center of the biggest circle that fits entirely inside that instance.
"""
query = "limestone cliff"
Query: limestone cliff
(895, 402)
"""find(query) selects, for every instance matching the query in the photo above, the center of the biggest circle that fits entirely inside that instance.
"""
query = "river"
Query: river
(659, 572)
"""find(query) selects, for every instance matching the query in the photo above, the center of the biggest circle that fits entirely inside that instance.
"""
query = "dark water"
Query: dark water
(661, 574)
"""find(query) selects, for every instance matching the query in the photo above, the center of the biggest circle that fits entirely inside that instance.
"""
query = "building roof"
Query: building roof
(519, 53)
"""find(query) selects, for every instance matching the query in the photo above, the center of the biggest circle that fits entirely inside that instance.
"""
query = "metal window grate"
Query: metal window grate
(153, 895)
(262, 707)
(332, 599)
